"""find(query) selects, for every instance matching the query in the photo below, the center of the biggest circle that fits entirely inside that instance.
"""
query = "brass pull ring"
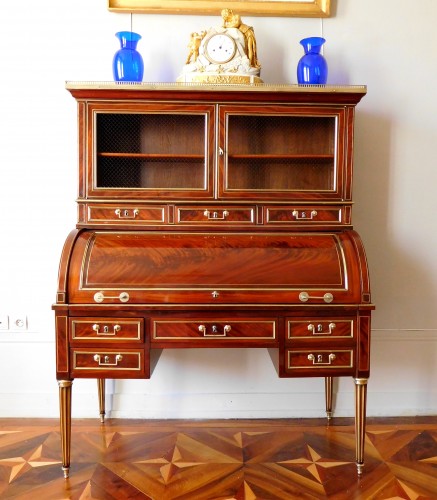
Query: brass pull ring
(303, 215)
(215, 215)
(215, 332)
(105, 330)
(126, 213)
(106, 361)
(319, 329)
(318, 360)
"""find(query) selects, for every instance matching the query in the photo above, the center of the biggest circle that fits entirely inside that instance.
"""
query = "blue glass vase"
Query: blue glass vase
(312, 67)
(128, 65)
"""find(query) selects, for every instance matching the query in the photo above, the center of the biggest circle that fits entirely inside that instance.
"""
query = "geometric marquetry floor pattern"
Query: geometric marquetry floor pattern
(220, 459)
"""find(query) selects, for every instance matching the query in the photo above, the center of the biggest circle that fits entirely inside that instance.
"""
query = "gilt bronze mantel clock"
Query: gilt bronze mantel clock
(223, 54)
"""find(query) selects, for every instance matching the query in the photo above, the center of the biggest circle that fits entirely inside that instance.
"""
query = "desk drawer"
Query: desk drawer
(126, 214)
(215, 215)
(319, 328)
(216, 328)
(106, 329)
(307, 215)
(319, 360)
(123, 363)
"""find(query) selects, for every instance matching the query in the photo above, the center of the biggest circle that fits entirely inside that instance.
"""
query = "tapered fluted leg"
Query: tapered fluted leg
(328, 396)
(65, 422)
(101, 389)
(360, 420)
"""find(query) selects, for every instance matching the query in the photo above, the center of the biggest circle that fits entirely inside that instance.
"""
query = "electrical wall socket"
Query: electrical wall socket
(13, 322)
(4, 322)
(18, 322)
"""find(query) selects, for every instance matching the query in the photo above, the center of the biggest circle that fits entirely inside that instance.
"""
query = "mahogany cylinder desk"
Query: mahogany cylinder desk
(213, 216)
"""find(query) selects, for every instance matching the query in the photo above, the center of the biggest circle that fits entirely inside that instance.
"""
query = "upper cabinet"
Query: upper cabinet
(150, 151)
(283, 153)
(187, 156)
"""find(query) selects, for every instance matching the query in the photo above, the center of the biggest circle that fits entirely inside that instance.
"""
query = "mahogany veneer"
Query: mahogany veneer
(214, 216)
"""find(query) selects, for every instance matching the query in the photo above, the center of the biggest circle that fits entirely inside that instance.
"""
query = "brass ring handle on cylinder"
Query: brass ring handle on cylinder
(100, 297)
(305, 297)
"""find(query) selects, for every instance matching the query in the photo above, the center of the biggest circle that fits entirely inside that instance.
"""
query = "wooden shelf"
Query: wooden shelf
(279, 157)
(151, 156)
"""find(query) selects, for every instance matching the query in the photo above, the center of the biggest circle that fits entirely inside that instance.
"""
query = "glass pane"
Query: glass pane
(150, 151)
(281, 153)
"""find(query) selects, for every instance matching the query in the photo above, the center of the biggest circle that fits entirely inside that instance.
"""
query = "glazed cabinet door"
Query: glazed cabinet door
(148, 151)
(284, 153)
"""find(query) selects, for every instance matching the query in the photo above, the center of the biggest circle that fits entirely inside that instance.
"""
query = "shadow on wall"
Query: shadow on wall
(401, 287)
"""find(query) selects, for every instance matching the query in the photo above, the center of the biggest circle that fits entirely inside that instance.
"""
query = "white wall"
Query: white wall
(389, 46)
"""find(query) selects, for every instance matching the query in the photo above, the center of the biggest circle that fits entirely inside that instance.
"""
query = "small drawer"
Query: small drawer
(115, 363)
(126, 214)
(319, 359)
(216, 215)
(106, 329)
(320, 328)
(300, 215)
(179, 329)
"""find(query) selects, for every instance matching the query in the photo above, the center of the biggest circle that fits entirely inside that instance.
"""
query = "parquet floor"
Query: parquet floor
(218, 460)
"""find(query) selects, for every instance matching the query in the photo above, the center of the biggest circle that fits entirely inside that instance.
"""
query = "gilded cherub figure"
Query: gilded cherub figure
(232, 20)
(195, 39)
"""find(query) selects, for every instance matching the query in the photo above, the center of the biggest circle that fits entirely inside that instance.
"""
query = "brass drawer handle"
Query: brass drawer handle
(303, 215)
(106, 361)
(318, 360)
(214, 331)
(215, 215)
(319, 329)
(100, 297)
(105, 330)
(127, 214)
(305, 297)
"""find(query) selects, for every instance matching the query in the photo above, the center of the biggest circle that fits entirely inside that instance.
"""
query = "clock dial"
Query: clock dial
(220, 48)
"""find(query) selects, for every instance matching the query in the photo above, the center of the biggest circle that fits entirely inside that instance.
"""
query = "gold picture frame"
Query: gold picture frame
(278, 8)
